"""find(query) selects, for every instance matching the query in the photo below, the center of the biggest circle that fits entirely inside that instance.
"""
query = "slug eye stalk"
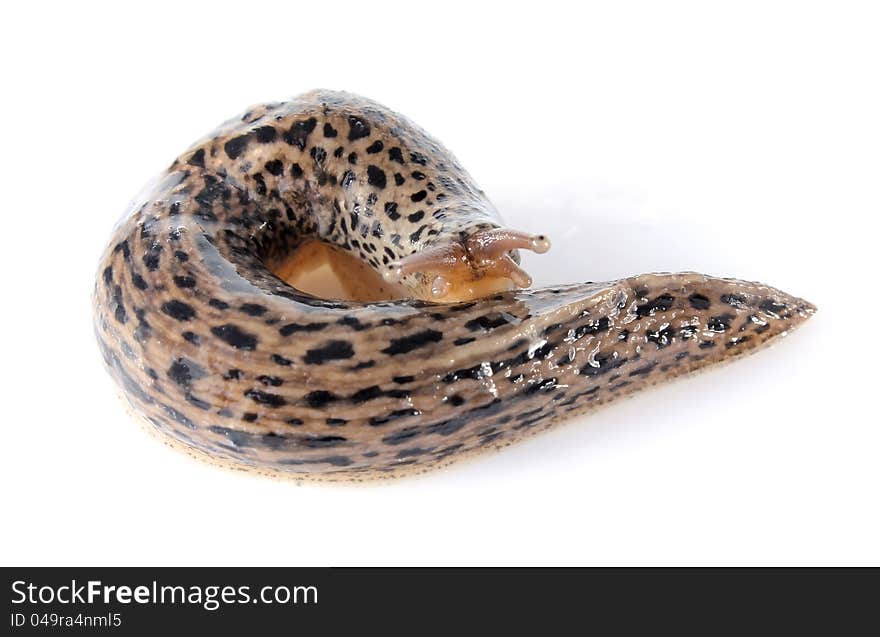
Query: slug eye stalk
(480, 264)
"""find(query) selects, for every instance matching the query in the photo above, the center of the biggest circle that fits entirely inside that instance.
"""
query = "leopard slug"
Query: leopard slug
(431, 350)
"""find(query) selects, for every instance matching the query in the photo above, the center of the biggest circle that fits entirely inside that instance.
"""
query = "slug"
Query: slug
(428, 349)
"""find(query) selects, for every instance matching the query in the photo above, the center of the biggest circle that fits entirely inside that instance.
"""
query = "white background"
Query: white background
(735, 139)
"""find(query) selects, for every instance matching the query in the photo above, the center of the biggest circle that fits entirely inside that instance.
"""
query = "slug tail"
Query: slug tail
(587, 345)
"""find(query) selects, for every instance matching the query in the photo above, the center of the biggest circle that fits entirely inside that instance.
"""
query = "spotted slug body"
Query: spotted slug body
(222, 355)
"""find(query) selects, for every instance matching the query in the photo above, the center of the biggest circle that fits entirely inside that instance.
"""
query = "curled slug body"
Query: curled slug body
(442, 356)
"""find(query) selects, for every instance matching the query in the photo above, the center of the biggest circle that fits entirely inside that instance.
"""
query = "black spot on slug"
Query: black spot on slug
(197, 158)
(699, 301)
(138, 281)
(252, 309)
(318, 442)
(734, 300)
(265, 398)
(367, 394)
(217, 303)
(399, 437)
(319, 398)
(235, 336)
(487, 322)
(184, 371)
(178, 310)
(376, 176)
(299, 132)
(266, 134)
(719, 323)
(771, 307)
(280, 360)
(274, 167)
(318, 154)
(184, 281)
(662, 337)
(329, 351)
(413, 341)
(293, 328)
(662, 303)
(395, 155)
(236, 146)
(391, 211)
(357, 128)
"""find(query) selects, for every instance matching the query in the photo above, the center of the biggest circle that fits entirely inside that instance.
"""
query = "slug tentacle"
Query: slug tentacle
(484, 257)
(491, 244)
(198, 324)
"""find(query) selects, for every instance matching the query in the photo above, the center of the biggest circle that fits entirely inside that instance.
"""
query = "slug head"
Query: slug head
(481, 264)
